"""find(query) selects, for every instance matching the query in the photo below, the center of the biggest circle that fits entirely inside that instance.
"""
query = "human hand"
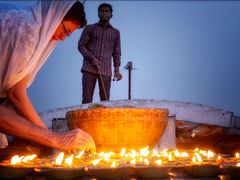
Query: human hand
(95, 63)
(76, 139)
(117, 76)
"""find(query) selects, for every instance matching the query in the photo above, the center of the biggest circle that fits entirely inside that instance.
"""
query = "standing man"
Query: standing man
(99, 43)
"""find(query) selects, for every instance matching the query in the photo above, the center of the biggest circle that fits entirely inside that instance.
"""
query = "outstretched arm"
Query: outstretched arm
(18, 97)
(13, 124)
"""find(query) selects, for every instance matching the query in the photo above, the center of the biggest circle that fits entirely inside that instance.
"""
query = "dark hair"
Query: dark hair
(105, 5)
(77, 14)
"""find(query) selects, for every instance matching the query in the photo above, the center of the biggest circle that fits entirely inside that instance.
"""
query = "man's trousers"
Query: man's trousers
(88, 85)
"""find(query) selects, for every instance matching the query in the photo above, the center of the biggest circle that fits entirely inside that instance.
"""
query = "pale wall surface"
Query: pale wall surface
(179, 110)
(183, 111)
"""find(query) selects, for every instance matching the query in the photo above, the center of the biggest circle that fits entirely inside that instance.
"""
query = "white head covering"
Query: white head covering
(25, 34)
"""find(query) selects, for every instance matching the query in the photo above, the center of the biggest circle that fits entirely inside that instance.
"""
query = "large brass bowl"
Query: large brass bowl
(115, 128)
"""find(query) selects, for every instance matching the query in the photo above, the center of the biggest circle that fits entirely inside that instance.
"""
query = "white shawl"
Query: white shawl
(24, 39)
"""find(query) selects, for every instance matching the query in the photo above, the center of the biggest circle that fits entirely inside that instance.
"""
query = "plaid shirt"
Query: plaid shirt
(103, 44)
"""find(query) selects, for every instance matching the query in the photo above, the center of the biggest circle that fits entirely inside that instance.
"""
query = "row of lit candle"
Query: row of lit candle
(143, 156)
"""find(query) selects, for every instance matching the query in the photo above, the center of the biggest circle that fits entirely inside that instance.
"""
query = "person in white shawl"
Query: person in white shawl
(27, 37)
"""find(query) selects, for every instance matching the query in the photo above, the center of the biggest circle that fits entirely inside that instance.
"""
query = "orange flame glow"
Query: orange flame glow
(59, 159)
(69, 160)
(130, 156)
(237, 155)
(95, 162)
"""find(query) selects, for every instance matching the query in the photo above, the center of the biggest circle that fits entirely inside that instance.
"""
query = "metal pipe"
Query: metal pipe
(129, 83)
(129, 68)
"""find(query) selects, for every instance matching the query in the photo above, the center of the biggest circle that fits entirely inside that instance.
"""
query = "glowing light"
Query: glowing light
(95, 162)
(171, 157)
(133, 161)
(123, 151)
(140, 159)
(204, 153)
(165, 153)
(101, 154)
(165, 150)
(197, 158)
(196, 150)
(107, 156)
(194, 160)
(15, 160)
(69, 160)
(59, 159)
(133, 153)
(158, 162)
(146, 161)
(177, 153)
(29, 158)
(210, 154)
(80, 154)
(155, 153)
(184, 154)
(144, 152)
(114, 164)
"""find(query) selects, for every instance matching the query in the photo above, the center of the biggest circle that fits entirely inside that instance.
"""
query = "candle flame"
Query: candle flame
(59, 159)
(144, 152)
(80, 154)
(171, 157)
(177, 153)
(107, 156)
(142, 157)
(146, 161)
(133, 154)
(114, 164)
(197, 158)
(196, 149)
(29, 158)
(15, 160)
(155, 153)
(101, 154)
(18, 159)
(204, 153)
(158, 162)
(133, 161)
(69, 160)
(194, 160)
(184, 154)
(123, 151)
(95, 162)
(210, 154)
(219, 157)
(165, 153)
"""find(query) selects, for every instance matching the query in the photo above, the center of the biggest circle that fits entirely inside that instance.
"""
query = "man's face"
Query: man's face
(104, 14)
(64, 29)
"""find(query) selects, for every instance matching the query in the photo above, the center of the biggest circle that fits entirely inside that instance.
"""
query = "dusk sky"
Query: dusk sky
(186, 51)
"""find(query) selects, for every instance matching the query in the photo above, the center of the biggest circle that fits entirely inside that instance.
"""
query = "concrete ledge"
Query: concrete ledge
(183, 111)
